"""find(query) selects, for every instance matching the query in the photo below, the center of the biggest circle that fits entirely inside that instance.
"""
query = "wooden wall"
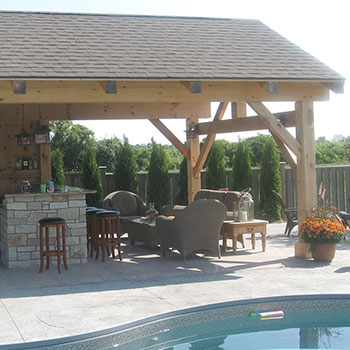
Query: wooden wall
(10, 178)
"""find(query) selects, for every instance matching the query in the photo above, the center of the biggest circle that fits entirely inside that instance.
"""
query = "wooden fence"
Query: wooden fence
(335, 180)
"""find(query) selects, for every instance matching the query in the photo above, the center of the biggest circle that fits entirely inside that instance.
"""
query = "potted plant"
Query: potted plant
(323, 230)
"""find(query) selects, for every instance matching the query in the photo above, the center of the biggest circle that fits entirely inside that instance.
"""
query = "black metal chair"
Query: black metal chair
(290, 213)
(345, 218)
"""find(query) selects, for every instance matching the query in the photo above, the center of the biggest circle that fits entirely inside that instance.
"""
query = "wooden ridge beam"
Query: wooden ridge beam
(276, 127)
(171, 137)
(244, 124)
(209, 141)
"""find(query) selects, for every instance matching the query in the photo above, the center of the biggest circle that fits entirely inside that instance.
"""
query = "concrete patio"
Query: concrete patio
(97, 295)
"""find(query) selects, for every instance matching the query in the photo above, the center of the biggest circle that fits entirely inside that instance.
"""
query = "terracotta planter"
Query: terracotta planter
(323, 251)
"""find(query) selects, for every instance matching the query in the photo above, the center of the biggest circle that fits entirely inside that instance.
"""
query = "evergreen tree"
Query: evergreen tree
(241, 168)
(125, 169)
(158, 189)
(57, 168)
(215, 177)
(91, 176)
(270, 179)
(182, 189)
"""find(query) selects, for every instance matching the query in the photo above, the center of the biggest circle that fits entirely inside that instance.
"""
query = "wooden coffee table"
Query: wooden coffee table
(232, 229)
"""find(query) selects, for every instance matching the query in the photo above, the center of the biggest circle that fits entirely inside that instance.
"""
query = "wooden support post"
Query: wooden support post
(193, 182)
(238, 110)
(306, 168)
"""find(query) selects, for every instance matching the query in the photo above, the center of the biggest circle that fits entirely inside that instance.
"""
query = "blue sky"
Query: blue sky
(319, 27)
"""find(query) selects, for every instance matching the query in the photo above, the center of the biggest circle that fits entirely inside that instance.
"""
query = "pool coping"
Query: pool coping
(71, 342)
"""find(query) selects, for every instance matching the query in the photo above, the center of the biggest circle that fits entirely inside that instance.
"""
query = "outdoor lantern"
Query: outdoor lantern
(243, 207)
(23, 139)
(42, 136)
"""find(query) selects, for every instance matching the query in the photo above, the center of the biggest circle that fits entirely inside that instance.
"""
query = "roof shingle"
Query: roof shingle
(84, 46)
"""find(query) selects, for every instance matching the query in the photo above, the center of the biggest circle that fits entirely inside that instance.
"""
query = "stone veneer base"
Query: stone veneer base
(19, 229)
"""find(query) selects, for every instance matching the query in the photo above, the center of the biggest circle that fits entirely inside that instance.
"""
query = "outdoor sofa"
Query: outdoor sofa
(225, 197)
(129, 205)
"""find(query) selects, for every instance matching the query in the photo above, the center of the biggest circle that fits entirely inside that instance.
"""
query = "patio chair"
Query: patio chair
(195, 228)
(345, 218)
(290, 213)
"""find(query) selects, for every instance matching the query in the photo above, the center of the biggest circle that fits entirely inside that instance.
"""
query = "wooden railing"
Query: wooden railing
(335, 180)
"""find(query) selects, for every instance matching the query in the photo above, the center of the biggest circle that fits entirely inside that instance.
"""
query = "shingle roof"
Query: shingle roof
(84, 46)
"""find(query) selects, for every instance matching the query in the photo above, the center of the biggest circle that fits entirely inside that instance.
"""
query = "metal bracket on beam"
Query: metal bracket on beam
(192, 131)
(270, 86)
(109, 86)
(195, 87)
(19, 87)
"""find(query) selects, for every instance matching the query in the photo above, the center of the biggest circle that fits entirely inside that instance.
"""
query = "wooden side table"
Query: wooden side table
(232, 229)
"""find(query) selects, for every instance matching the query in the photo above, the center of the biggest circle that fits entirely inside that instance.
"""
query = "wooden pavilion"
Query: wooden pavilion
(56, 66)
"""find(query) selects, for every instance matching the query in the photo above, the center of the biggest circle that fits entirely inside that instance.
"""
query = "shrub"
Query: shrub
(215, 177)
(91, 176)
(125, 168)
(57, 170)
(270, 179)
(182, 189)
(158, 189)
(241, 168)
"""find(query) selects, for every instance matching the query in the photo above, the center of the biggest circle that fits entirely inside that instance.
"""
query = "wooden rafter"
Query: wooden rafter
(209, 140)
(276, 127)
(244, 124)
(171, 137)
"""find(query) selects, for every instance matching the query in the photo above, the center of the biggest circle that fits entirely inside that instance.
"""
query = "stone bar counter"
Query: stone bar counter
(19, 228)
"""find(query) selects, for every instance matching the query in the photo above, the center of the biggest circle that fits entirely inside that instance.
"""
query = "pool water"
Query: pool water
(297, 330)
(309, 322)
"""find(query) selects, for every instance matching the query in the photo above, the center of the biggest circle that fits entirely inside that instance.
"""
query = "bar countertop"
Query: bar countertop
(59, 190)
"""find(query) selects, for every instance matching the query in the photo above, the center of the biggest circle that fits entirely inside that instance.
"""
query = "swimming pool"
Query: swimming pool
(308, 322)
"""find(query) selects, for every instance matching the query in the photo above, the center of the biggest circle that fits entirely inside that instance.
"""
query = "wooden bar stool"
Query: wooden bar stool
(60, 226)
(91, 229)
(108, 225)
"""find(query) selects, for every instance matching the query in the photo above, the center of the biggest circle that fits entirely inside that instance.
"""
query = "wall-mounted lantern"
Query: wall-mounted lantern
(23, 139)
(42, 136)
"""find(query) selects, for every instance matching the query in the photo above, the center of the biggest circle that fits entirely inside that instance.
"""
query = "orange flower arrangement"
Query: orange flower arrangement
(317, 230)
(322, 226)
